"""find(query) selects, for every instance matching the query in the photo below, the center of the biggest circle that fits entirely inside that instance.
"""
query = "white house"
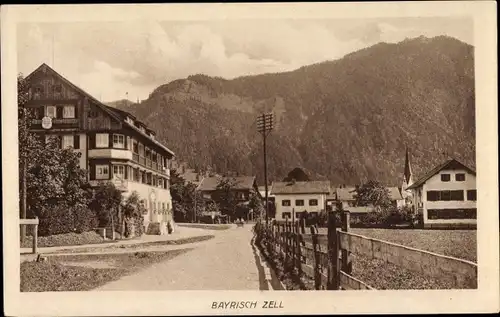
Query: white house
(446, 196)
(293, 198)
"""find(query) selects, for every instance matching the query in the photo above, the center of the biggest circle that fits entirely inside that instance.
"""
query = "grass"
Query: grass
(456, 243)
(66, 273)
(380, 275)
(205, 226)
(65, 239)
(140, 245)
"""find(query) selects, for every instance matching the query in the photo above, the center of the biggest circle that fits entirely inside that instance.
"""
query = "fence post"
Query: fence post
(35, 237)
(317, 275)
(302, 224)
(286, 241)
(346, 255)
(333, 254)
(298, 253)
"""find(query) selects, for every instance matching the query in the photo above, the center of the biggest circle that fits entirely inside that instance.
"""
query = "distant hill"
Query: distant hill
(346, 120)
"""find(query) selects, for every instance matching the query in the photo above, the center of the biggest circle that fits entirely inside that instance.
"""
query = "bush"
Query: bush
(85, 219)
(63, 219)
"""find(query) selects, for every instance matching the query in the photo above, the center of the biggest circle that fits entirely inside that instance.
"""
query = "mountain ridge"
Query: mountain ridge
(347, 120)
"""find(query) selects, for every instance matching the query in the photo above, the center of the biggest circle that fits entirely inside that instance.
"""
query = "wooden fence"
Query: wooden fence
(327, 260)
(34, 225)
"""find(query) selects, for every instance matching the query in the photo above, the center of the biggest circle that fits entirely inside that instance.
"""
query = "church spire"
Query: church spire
(408, 173)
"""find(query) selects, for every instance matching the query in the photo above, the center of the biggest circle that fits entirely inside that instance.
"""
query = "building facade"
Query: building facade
(294, 198)
(446, 196)
(114, 146)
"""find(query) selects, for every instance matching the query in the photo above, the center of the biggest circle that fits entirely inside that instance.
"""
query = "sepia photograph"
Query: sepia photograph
(324, 155)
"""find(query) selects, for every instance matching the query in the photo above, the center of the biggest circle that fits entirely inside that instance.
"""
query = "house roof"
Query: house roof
(242, 182)
(449, 164)
(310, 187)
(348, 193)
(117, 114)
(191, 176)
(394, 193)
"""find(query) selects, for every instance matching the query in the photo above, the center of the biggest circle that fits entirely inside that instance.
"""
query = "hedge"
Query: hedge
(65, 219)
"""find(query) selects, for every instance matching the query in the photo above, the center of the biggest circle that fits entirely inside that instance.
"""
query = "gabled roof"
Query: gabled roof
(450, 164)
(242, 182)
(394, 193)
(117, 114)
(310, 187)
(348, 193)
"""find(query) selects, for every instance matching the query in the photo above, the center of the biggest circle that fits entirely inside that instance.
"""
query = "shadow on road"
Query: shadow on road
(263, 285)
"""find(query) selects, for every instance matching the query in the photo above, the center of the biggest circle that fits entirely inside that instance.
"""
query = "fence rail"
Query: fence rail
(327, 259)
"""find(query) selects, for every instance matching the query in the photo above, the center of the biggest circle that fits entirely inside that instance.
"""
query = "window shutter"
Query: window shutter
(92, 171)
(91, 143)
(76, 111)
(110, 139)
(40, 113)
(76, 141)
(126, 172)
(59, 112)
(60, 138)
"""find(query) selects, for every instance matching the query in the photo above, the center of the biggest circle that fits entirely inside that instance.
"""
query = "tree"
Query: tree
(106, 203)
(372, 193)
(256, 204)
(225, 196)
(131, 208)
(296, 174)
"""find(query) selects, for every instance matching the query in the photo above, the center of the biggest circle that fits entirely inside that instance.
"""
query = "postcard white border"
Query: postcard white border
(484, 299)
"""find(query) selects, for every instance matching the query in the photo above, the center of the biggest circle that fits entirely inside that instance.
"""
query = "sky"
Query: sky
(111, 59)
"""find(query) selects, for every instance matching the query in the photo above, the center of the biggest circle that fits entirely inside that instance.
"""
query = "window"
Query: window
(286, 215)
(163, 206)
(472, 194)
(68, 141)
(118, 141)
(457, 195)
(102, 172)
(207, 196)
(285, 202)
(160, 182)
(460, 177)
(451, 213)
(445, 177)
(313, 202)
(93, 114)
(119, 171)
(299, 202)
(38, 90)
(57, 89)
(101, 140)
(51, 112)
(69, 112)
(445, 195)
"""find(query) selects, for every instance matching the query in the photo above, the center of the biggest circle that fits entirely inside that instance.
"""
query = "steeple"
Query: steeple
(407, 177)
(407, 172)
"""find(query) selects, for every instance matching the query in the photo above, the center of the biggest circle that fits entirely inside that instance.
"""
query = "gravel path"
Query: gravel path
(227, 262)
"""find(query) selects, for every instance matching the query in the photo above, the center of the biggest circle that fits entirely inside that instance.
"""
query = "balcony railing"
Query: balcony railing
(148, 163)
(135, 157)
(142, 160)
(58, 121)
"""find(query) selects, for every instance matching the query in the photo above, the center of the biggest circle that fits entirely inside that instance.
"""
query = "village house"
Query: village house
(446, 196)
(293, 198)
(114, 145)
(243, 187)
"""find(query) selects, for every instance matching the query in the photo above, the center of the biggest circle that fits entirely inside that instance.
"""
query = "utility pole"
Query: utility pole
(265, 126)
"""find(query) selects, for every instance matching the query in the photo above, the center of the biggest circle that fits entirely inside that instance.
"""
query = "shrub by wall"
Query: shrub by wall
(61, 219)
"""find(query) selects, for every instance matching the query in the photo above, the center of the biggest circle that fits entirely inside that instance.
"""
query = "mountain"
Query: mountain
(346, 120)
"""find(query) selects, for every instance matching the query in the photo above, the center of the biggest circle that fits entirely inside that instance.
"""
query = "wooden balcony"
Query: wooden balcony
(58, 123)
